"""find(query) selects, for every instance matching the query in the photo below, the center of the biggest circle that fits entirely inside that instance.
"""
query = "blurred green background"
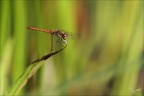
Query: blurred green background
(107, 58)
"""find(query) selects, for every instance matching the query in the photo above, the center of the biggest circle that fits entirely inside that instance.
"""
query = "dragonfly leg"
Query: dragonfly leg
(60, 42)
(51, 43)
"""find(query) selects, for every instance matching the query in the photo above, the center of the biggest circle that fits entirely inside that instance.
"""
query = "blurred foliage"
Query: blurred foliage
(107, 58)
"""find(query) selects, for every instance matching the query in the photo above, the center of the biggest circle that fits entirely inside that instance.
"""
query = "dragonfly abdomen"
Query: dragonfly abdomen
(38, 29)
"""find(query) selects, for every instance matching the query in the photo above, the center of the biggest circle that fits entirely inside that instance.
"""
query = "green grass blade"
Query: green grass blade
(4, 23)
(28, 73)
(5, 64)
(22, 80)
(20, 34)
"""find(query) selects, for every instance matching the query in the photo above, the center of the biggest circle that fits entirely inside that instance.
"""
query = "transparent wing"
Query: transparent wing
(72, 36)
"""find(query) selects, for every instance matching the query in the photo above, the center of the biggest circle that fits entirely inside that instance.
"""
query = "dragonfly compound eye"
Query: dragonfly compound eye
(65, 35)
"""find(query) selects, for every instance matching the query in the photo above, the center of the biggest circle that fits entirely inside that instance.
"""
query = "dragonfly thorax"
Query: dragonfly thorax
(60, 34)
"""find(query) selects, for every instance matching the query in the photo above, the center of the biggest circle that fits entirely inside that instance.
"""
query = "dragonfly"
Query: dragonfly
(59, 33)
(62, 38)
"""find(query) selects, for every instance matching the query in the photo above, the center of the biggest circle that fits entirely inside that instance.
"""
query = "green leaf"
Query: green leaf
(28, 73)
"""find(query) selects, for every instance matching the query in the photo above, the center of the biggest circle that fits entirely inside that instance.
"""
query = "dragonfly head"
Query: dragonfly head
(65, 36)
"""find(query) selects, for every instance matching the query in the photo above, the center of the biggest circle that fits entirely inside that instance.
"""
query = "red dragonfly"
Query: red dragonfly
(59, 33)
